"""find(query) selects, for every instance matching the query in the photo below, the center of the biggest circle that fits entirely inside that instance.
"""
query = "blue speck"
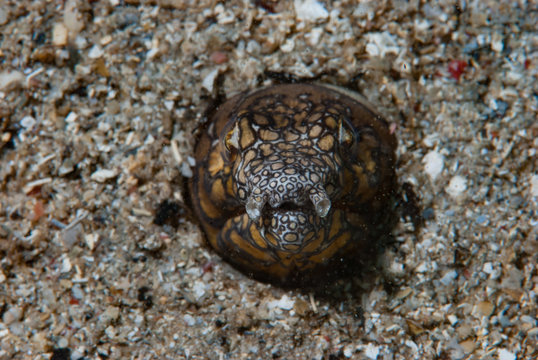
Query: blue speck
(428, 214)
(482, 219)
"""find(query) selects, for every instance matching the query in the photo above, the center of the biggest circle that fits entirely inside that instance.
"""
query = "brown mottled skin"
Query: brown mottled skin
(291, 179)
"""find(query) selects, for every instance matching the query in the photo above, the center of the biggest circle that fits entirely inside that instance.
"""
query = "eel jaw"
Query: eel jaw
(317, 195)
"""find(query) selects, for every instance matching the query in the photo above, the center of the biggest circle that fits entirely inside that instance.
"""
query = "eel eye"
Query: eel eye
(345, 134)
(231, 141)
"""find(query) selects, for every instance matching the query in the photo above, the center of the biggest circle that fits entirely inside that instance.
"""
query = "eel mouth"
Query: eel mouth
(315, 198)
(291, 206)
(291, 225)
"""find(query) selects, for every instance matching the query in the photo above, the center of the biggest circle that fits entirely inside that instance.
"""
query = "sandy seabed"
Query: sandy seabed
(98, 102)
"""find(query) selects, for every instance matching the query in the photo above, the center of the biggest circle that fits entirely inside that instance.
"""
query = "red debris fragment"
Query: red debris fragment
(132, 189)
(218, 57)
(207, 267)
(164, 236)
(74, 301)
(269, 5)
(527, 64)
(456, 68)
(494, 134)
(34, 191)
(39, 210)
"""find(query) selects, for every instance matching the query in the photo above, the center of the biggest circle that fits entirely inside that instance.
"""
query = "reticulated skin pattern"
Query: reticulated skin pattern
(292, 180)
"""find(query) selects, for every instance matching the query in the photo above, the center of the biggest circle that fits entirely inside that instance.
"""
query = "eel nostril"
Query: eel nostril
(274, 200)
(321, 200)
(254, 206)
